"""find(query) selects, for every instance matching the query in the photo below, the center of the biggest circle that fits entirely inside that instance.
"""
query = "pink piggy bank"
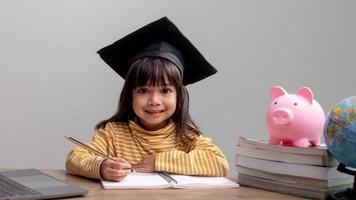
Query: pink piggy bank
(294, 119)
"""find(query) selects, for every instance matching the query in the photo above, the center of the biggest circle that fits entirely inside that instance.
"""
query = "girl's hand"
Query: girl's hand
(115, 170)
(147, 164)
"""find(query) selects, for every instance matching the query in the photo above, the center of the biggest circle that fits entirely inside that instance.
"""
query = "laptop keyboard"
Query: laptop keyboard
(10, 188)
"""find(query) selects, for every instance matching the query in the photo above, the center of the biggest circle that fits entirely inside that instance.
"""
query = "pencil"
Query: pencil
(77, 142)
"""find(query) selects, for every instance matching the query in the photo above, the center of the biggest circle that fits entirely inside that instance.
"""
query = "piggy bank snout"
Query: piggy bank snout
(282, 116)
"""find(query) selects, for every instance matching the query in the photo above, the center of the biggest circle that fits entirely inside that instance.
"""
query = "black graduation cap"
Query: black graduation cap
(160, 38)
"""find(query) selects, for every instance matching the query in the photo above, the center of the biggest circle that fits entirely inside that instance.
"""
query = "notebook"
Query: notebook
(156, 181)
(33, 184)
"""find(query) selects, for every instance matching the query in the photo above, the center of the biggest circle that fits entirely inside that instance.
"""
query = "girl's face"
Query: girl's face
(154, 105)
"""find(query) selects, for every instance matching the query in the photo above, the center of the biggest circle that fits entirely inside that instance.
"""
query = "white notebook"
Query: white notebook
(155, 181)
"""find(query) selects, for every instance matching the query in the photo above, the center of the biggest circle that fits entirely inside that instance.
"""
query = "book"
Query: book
(155, 181)
(261, 149)
(310, 171)
(296, 181)
(263, 144)
(315, 193)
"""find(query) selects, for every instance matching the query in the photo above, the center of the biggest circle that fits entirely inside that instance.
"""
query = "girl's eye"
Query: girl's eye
(166, 90)
(142, 91)
(275, 103)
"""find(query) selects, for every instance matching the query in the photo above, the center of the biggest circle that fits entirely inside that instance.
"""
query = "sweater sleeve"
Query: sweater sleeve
(82, 162)
(206, 159)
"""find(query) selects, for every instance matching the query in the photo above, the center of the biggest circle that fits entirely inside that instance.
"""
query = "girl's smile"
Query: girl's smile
(154, 112)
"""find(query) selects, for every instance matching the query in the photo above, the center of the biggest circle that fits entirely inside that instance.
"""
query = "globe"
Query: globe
(340, 131)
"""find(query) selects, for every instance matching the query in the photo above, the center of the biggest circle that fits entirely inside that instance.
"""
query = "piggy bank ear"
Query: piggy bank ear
(277, 91)
(306, 93)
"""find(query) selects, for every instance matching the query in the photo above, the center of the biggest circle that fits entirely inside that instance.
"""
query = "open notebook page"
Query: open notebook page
(155, 181)
(203, 182)
(138, 181)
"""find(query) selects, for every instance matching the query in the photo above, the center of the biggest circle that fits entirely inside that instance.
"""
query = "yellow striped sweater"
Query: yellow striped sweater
(133, 143)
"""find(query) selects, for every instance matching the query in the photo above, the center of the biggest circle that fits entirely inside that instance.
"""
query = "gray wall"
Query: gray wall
(52, 81)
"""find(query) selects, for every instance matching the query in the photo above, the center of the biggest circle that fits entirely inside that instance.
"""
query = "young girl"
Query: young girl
(152, 129)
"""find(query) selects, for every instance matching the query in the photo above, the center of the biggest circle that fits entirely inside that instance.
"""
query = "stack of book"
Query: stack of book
(307, 172)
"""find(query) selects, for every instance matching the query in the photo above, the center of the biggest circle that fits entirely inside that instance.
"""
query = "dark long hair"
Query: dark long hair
(155, 71)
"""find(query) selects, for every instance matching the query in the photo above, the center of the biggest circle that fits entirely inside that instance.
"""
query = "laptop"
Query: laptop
(34, 184)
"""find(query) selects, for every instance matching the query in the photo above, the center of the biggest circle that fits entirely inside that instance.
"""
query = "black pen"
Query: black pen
(77, 142)
(167, 177)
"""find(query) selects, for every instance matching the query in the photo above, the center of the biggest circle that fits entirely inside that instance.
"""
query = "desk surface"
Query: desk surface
(98, 193)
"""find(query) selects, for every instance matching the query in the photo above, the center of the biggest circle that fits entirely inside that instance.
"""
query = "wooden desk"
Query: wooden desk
(98, 193)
